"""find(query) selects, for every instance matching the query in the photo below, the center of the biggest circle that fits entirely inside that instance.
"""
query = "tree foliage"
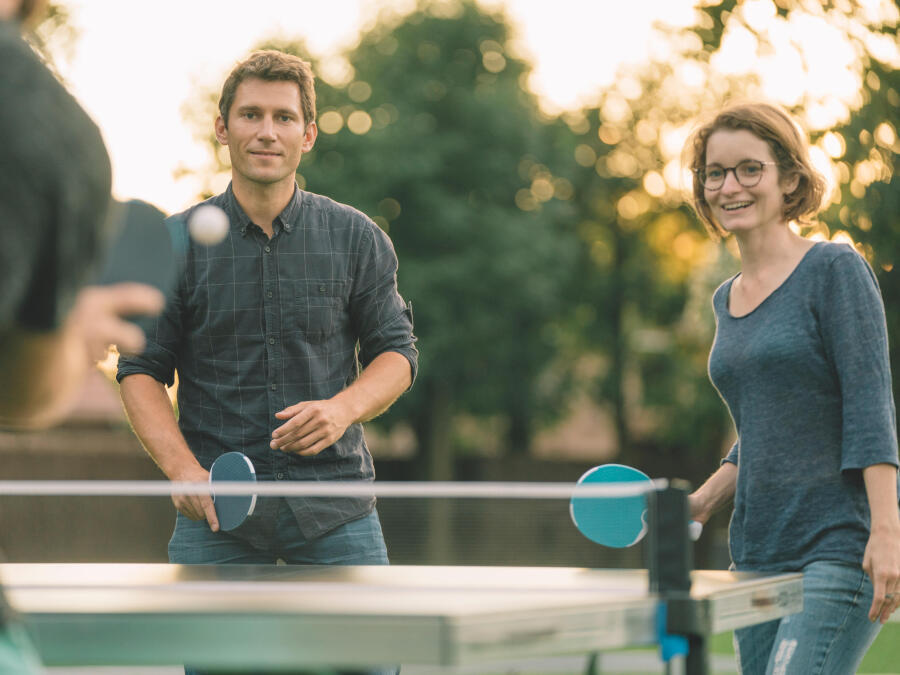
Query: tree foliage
(432, 134)
(550, 257)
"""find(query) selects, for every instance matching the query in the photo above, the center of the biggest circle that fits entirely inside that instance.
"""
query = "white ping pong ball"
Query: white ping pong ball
(208, 225)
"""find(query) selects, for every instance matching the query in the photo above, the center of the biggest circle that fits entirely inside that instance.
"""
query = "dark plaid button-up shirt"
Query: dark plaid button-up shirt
(258, 324)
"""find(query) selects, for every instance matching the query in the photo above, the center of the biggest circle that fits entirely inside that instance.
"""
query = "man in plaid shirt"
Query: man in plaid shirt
(286, 335)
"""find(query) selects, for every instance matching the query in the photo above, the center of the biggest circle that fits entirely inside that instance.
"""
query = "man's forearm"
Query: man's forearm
(379, 385)
(153, 419)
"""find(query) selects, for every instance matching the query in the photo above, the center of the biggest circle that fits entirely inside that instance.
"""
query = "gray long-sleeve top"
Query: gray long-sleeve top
(806, 377)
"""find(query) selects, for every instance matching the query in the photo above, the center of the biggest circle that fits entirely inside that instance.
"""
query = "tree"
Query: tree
(645, 272)
(54, 38)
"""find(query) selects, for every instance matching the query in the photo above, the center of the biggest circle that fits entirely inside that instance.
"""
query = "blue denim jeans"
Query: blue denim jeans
(359, 542)
(829, 637)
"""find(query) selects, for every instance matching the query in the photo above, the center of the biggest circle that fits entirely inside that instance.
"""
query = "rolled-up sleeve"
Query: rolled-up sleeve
(165, 332)
(159, 358)
(381, 318)
(733, 456)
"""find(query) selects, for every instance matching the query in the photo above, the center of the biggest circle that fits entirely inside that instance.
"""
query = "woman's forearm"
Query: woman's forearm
(715, 493)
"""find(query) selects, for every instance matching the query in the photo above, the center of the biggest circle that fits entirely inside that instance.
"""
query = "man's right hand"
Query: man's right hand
(195, 507)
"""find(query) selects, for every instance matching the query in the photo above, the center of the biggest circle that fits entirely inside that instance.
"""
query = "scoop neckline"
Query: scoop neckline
(774, 290)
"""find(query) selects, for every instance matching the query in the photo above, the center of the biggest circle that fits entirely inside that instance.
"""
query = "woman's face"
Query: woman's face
(735, 206)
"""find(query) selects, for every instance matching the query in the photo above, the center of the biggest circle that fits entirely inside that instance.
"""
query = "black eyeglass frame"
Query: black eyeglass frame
(701, 174)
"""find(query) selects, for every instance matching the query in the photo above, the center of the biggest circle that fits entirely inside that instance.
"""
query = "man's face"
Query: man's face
(266, 133)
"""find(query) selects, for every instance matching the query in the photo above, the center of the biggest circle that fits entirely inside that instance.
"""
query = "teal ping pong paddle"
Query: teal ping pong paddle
(232, 510)
(615, 521)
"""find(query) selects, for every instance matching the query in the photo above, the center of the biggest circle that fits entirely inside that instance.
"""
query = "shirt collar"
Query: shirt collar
(291, 212)
(241, 221)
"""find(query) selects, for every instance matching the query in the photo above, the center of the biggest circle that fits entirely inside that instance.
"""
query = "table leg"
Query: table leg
(698, 656)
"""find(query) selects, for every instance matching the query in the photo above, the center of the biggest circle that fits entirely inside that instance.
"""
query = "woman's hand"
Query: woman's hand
(881, 560)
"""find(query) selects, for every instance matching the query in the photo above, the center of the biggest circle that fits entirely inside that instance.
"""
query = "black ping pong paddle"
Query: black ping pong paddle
(141, 249)
(232, 510)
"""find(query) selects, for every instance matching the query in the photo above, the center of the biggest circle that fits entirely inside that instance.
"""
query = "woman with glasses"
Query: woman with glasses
(800, 358)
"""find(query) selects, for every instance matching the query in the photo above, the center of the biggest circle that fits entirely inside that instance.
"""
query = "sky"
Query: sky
(135, 65)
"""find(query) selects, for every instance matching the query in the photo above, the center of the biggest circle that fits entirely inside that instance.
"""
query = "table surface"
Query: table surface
(275, 616)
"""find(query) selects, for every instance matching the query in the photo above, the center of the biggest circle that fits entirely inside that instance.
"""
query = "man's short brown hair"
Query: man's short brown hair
(272, 66)
(789, 146)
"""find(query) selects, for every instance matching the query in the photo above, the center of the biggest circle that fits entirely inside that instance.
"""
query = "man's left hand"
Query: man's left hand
(311, 427)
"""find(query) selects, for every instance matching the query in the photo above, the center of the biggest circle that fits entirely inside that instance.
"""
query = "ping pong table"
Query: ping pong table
(279, 617)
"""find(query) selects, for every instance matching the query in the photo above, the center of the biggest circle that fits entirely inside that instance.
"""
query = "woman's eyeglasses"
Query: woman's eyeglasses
(747, 173)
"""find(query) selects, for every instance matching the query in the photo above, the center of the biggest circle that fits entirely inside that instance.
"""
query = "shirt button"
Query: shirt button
(268, 249)
(274, 387)
(271, 341)
(279, 476)
(269, 294)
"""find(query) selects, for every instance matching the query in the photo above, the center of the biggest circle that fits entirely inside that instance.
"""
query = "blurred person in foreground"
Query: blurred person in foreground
(55, 181)
(54, 200)
(800, 358)
(286, 336)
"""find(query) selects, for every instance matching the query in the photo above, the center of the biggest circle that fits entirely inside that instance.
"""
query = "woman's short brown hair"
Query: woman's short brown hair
(272, 66)
(789, 146)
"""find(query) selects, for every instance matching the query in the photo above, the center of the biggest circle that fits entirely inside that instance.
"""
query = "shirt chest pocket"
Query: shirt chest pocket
(319, 309)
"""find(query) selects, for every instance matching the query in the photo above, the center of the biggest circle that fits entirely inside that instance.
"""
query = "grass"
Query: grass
(882, 658)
